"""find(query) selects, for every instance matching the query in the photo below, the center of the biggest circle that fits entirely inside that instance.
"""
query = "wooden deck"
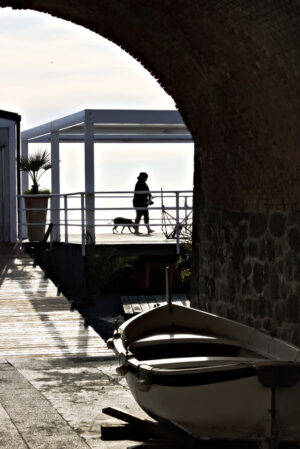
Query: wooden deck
(124, 239)
(34, 321)
(137, 304)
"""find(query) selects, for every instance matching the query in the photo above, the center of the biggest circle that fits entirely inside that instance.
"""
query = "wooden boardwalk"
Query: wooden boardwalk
(125, 238)
(34, 321)
(137, 304)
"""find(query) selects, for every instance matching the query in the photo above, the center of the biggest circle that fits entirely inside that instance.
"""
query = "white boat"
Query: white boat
(210, 376)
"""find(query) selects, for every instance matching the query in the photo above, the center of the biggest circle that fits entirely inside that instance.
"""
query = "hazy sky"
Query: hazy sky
(51, 68)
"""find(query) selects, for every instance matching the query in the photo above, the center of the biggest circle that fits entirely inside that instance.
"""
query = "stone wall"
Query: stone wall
(250, 269)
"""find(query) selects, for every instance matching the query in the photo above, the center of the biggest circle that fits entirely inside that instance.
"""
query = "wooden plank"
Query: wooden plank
(180, 299)
(169, 432)
(136, 307)
(34, 322)
(126, 303)
(117, 432)
(160, 300)
(143, 303)
(151, 301)
(157, 444)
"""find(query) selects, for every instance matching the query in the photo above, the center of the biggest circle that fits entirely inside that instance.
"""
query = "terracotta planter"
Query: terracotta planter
(36, 232)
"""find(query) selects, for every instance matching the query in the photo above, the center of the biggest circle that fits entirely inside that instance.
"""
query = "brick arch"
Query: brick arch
(232, 68)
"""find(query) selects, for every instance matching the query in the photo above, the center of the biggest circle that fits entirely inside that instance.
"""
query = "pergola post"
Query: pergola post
(24, 178)
(55, 186)
(89, 180)
(12, 180)
(24, 187)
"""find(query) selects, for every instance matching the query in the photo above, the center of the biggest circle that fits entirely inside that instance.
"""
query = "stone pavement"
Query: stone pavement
(56, 403)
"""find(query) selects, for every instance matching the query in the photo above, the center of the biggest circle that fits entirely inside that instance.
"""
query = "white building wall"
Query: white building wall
(8, 185)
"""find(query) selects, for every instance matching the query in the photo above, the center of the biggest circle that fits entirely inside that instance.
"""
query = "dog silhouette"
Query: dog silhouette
(125, 222)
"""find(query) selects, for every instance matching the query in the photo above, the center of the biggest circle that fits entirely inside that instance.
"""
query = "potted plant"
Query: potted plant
(36, 165)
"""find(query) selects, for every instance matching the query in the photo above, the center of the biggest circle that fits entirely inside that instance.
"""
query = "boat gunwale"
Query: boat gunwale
(253, 332)
(186, 377)
(124, 351)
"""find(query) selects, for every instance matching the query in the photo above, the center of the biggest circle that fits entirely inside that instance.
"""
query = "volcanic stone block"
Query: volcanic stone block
(284, 290)
(262, 306)
(262, 250)
(266, 272)
(277, 224)
(270, 249)
(246, 269)
(243, 232)
(292, 309)
(294, 239)
(258, 225)
(247, 288)
(238, 254)
(288, 266)
(253, 248)
(211, 292)
(258, 277)
(250, 321)
(231, 290)
(274, 285)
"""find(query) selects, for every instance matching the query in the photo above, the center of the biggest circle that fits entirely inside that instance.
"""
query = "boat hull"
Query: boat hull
(238, 409)
(211, 377)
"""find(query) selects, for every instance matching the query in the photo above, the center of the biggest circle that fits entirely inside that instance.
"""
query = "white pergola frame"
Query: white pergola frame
(92, 126)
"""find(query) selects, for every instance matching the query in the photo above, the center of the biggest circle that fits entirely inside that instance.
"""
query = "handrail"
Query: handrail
(158, 192)
(174, 217)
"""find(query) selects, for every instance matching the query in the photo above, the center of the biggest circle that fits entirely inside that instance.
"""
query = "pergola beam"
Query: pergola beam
(55, 125)
(121, 121)
(117, 138)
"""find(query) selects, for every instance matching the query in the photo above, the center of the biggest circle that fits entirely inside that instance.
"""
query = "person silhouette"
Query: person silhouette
(142, 199)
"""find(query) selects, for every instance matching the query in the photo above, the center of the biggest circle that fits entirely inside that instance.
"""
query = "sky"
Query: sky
(51, 68)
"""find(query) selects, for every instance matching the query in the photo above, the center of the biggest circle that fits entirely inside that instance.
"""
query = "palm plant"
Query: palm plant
(36, 165)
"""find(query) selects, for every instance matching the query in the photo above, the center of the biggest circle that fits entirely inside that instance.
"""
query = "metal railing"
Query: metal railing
(83, 213)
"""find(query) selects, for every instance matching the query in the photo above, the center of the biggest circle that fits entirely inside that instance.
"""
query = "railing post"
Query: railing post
(90, 218)
(20, 200)
(66, 218)
(177, 224)
(51, 234)
(82, 225)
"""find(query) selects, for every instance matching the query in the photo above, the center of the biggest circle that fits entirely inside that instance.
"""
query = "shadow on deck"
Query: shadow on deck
(95, 282)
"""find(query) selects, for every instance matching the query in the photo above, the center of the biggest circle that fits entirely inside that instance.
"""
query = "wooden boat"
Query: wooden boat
(210, 376)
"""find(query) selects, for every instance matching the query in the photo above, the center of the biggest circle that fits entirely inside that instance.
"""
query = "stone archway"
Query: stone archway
(232, 68)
